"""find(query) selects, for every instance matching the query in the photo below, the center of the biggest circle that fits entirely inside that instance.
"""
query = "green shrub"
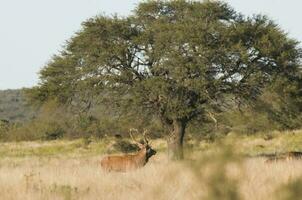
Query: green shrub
(53, 131)
(125, 146)
(4, 126)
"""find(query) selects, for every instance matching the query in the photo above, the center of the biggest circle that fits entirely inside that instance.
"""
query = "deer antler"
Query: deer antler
(145, 138)
(130, 133)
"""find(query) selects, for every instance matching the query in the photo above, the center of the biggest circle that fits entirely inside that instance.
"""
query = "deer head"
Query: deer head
(143, 145)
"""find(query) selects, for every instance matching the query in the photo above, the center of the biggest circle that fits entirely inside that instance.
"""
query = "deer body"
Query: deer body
(128, 162)
(123, 163)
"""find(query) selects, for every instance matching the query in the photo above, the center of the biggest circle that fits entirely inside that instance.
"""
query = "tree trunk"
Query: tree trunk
(175, 140)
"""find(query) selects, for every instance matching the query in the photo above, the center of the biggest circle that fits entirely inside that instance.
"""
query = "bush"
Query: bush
(4, 126)
(53, 131)
(124, 146)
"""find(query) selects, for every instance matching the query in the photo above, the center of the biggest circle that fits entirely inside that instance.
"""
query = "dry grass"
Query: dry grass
(77, 174)
(82, 178)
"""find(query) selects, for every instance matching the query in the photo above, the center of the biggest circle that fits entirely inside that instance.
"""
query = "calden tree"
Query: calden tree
(171, 59)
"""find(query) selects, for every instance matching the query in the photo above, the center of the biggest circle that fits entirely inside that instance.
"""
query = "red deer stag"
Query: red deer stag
(128, 162)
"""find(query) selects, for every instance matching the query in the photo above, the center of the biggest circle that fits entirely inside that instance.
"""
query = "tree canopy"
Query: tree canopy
(171, 59)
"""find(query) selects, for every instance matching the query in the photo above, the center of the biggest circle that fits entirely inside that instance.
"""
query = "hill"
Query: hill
(13, 106)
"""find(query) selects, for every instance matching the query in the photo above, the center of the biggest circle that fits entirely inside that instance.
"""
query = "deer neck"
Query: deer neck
(142, 155)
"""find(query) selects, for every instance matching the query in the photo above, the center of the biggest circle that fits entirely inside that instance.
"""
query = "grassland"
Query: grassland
(229, 168)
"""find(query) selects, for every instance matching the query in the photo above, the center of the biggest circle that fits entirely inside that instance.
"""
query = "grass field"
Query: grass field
(70, 170)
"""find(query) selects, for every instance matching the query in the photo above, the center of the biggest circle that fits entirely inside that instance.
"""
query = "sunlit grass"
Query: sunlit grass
(220, 170)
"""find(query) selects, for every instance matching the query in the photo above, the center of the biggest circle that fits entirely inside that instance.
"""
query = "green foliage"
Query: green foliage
(124, 146)
(149, 62)
(169, 64)
(4, 126)
(53, 132)
(248, 121)
(283, 101)
(54, 121)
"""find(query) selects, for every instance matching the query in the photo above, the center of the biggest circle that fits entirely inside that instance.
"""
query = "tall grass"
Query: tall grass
(73, 172)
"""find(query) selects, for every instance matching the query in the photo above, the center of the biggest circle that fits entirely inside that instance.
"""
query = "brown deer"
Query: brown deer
(128, 162)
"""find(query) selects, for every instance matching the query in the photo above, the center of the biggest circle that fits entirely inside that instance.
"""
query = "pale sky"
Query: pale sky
(31, 31)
